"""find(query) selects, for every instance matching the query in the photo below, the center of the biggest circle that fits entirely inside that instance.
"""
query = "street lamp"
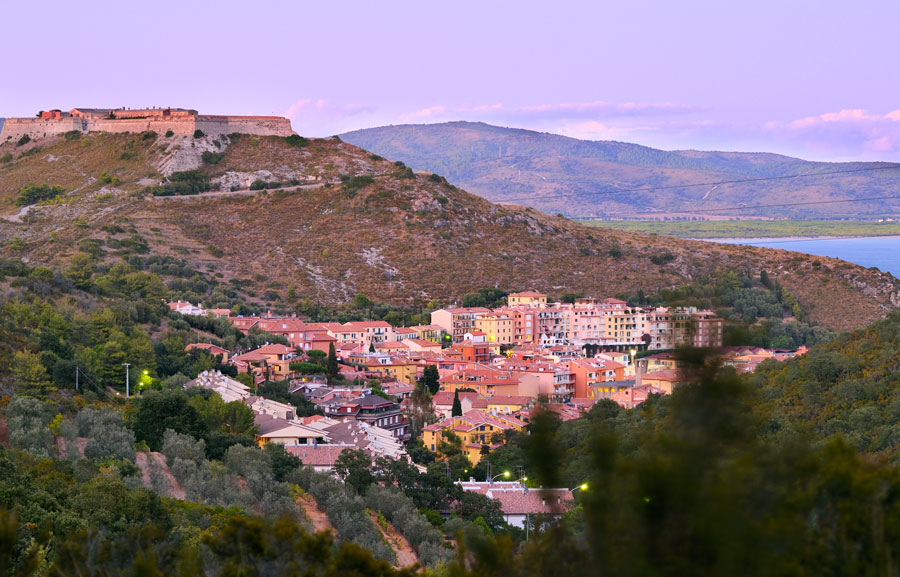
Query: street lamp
(503, 474)
(581, 487)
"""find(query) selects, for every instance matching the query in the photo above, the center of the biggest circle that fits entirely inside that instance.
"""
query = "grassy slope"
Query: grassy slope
(754, 228)
(500, 163)
(401, 240)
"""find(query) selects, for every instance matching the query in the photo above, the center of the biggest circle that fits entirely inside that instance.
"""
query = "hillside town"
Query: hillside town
(486, 371)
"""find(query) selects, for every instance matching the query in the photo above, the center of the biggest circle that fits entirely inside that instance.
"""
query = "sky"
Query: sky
(815, 79)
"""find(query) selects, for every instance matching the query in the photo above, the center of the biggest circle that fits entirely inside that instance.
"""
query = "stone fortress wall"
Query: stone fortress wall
(182, 122)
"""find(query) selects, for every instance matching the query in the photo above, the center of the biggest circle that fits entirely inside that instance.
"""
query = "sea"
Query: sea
(882, 252)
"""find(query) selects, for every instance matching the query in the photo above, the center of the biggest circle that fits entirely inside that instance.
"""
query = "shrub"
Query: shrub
(352, 185)
(6, 158)
(375, 157)
(661, 259)
(169, 134)
(128, 155)
(406, 174)
(72, 135)
(401, 511)
(148, 135)
(210, 157)
(107, 434)
(24, 140)
(198, 133)
(258, 184)
(436, 178)
(183, 183)
(33, 193)
(107, 178)
(296, 140)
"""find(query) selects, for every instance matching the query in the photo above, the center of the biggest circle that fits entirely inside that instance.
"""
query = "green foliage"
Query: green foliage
(29, 376)
(28, 423)
(183, 183)
(156, 412)
(456, 410)
(209, 157)
(24, 140)
(6, 158)
(72, 135)
(106, 433)
(353, 185)
(430, 379)
(345, 509)
(107, 178)
(169, 134)
(33, 193)
(198, 133)
(354, 467)
(486, 297)
(331, 365)
(296, 141)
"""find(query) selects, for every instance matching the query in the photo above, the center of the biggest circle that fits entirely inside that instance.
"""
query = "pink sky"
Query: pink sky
(811, 78)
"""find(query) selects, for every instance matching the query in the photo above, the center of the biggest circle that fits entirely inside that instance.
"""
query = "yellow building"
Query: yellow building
(474, 429)
(497, 327)
(398, 368)
(528, 299)
(432, 333)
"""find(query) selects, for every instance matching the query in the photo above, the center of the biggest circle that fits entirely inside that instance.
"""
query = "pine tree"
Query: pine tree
(29, 375)
(456, 411)
(429, 379)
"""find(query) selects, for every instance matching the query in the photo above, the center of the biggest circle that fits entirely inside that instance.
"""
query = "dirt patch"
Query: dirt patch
(156, 462)
(406, 557)
(316, 516)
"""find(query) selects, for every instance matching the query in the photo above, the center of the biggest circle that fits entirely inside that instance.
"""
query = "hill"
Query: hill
(341, 222)
(578, 178)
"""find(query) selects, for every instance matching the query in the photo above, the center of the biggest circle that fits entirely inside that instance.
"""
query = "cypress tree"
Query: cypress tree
(456, 411)
(331, 366)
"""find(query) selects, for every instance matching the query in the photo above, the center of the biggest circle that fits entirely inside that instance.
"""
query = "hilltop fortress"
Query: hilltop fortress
(160, 120)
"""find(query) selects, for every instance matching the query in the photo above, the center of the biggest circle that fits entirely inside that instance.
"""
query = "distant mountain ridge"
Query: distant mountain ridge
(581, 178)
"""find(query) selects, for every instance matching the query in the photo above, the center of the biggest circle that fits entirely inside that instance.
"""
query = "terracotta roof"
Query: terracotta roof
(317, 455)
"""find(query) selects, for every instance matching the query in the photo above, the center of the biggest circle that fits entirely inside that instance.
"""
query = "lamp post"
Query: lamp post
(503, 474)
(581, 487)
(633, 368)
(127, 380)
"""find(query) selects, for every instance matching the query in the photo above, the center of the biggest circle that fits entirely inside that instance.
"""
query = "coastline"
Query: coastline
(786, 239)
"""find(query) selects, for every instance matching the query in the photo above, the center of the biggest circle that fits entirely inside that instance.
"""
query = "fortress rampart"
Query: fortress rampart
(183, 122)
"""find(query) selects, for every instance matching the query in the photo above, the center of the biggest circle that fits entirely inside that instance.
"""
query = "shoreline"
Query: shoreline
(785, 239)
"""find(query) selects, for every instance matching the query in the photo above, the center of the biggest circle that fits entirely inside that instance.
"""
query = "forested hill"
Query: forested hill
(559, 174)
(849, 387)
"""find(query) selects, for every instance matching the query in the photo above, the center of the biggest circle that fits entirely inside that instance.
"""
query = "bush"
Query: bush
(345, 509)
(106, 433)
(406, 518)
(33, 193)
(352, 185)
(296, 140)
(24, 140)
(128, 155)
(198, 133)
(28, 423)
(183, 183)
(72, 135)
(148, 135)
(169, 134)
(209, 157)
(661, 259)
(6, 158)
(107, 178)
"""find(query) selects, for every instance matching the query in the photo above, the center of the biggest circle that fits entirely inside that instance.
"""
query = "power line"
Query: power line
(676, 186)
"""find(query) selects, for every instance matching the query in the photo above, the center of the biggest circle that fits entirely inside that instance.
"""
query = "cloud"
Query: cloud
(851, 132)
(430, 112)
(304, 108)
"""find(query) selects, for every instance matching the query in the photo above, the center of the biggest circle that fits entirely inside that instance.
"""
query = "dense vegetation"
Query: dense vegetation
(34, 193)
(183, 183)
